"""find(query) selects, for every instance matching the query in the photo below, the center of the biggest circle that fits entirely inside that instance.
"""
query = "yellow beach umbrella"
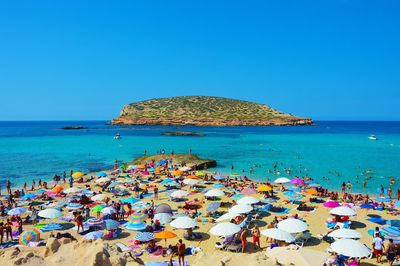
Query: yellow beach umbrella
(77, 175)
(177, 172)
(141, 166)
(200, 173)
(264, 188)
(192, 177)
(312, 191)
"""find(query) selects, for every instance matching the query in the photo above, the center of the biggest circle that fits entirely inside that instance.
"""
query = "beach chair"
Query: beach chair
(124, 249)
(234, 247)
(227, 241)
(301, 239)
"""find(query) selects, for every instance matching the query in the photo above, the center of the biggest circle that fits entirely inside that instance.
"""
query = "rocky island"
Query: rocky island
(204, 111)
(191, 160)
(183, 134)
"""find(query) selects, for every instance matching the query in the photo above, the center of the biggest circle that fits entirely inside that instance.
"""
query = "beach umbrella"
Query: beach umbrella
(163, 218)
(282, 180)
(177, 173)
(218, 185)
(72, 190)
(40, 191)
(163, 208)
(161, 162)
(77, 175)
(237, 196)
(99, 197)
(297, 181)
(183, 223)
(278, 234)
(139, 206)
(139, 226)
(185, 168)
(57, 189)
(264, 188)
(248, 200)
(16, 211)
(235, 175)
(350, 248)
(345, 233)
(367, 206)
(382, 199)
(190, 182)
(292, 225)
(241, 208)
(137, 217)
(214, 193)
(95, 222)
(219, 177)
(51, 227)
(93, 235)
(108, 210)
(312, 191)
(297, 256)
(29, 196)
(165, 235)
(331, 204)
(248, 191)
(110, 224)
(103, 180)
(50, 213)
(226, 216)
(343, 211)
(74, 206)
(97, 208)
(29, 236)
(144, 236)
(179, 194)
(200, 173)
(166, 181)
(129, 200)
(132, 167)
(225, 229)
(101, 174)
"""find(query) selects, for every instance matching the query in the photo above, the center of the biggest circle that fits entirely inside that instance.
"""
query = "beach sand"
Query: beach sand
(103, 252)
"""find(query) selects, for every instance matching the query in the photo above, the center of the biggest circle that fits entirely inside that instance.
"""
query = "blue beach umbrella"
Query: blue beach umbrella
(110, 224)
(218, 185)
(29, 196)
(94, 235)
(219, 177)
(237, 196)
(40, 191)
(129, 200)
(366, 206)
(101, 174)
(144, 236)
(74, 206)
(139, 226)
(51, 227)
(94, 222)
(151, 169)
(174, 184)
(166, 181)
(16, 211)
(381, 199)
(162, 162)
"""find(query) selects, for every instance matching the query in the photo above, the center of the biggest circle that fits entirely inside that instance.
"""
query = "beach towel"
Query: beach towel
(164, 263)
(8, 244)
(213, 206)
(377, 220)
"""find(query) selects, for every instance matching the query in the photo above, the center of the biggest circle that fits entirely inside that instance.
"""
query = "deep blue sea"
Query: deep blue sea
(339, 151)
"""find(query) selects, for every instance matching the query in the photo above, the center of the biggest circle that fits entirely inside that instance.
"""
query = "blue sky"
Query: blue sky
(67, 60)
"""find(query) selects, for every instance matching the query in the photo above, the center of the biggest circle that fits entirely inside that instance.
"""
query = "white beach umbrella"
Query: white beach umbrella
(190, 182)
(214, 193)
(50, 213)
(241, 208)
(16, 211)
(350, 248)
(248, 200)
(179, 194)
(183, 223)
(185, 168)
(292, 225)
(278, 234)
(345, 233)
(72, 190)
(225, 229)
(163, 218)
(108, 210)
(226, 216)
(282, 180)
(343, 211)
(292, 255)
(99, 197)
(103, 180)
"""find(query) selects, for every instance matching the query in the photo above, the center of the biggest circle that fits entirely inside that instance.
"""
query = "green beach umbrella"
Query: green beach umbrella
(97, 208)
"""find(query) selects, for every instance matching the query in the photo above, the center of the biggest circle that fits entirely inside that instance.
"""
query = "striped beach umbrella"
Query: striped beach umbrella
(94, 235)
(110, 224)
(108, 210)
(144, 236)
(74, 206)
(138, 226)
(95, 222)
(29, 236)
(16, 211)
(137, 217)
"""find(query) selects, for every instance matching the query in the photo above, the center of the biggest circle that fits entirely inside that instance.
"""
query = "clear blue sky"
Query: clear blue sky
(330, 59)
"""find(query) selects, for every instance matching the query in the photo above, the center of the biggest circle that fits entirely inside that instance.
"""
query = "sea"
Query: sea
(330, 152)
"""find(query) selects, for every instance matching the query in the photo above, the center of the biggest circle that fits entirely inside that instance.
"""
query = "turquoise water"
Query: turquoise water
(33, 150)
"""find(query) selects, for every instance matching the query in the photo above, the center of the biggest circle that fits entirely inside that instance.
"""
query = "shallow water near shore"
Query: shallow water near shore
(338, 151)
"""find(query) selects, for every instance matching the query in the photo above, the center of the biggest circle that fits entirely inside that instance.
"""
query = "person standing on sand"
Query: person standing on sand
(79, 221)
(1, 232)
(155, 190)
(181, 252)
(243, 239)
(391, 252)
(256, 236)
(8, 229)
(378, 247)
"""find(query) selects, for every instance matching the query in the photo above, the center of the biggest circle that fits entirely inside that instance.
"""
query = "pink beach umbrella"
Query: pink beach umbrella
(331, 204)
(145, 173)
(248, 191)
(297, 181)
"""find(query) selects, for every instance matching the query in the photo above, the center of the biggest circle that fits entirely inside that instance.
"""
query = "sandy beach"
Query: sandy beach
(48, 250)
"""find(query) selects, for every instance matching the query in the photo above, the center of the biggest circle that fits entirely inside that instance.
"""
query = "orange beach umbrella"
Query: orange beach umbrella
(57, 189)
(165, 235)
(312, 191)
(264, 188)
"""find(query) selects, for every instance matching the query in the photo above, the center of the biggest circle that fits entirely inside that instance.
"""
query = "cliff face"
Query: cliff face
(204, 111)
